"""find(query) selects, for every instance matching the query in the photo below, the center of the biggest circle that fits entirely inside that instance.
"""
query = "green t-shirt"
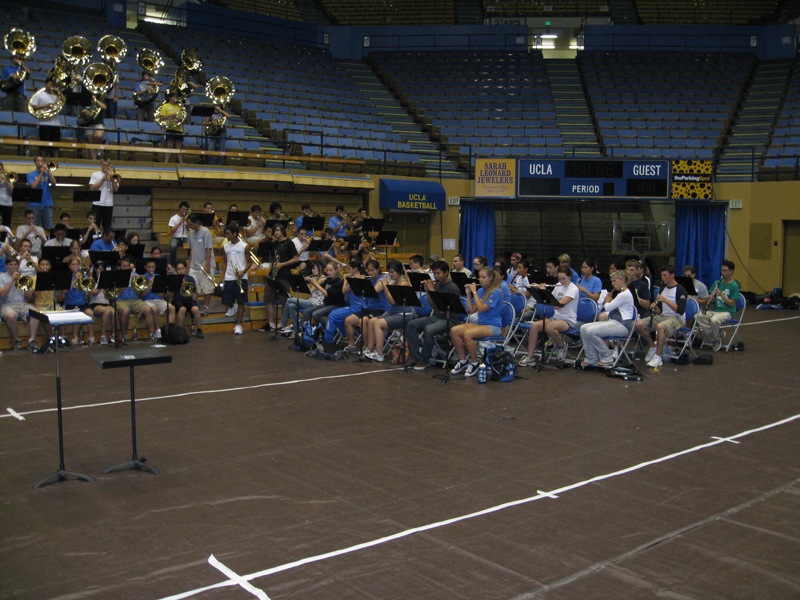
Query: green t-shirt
(730, 291)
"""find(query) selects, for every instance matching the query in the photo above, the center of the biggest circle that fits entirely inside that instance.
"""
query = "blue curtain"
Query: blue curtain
(700, 239)
(476, 231)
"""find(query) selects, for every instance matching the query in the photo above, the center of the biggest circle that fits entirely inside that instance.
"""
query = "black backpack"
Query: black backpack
(174, 334)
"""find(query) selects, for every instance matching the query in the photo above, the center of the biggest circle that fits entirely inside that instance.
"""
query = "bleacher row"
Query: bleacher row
(390, 12)
(781, 160)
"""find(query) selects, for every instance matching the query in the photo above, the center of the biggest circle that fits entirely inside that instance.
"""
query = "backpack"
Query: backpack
(308, 335)
(174, 334)
(327, 351)
(499, 363)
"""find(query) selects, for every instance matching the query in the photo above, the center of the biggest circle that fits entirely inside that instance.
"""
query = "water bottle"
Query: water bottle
(135, 334)
(192, 327)
(482, 373)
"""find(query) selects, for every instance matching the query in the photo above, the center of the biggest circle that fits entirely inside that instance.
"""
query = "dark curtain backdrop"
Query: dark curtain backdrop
(476, 231)
(700, 239)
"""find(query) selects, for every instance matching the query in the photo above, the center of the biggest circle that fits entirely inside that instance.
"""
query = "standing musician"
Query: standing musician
(394, 318)
(668, 308)
(216, 142)
(285, 258)
(235, 266)
(201, 253)
(372, 307)
(6, 196)
(40, 179)
(95, 125)
(16, 304)
(616, 319)
(486, 303)
(178, 231)
(173, 138)
(563, 319)
(339, 222)
(254, 231)
(15, 99)
(146, 112)
(32, 233)
(721, 305)
(104, 181)
(183, 304)
(330, 287)
(50, 128)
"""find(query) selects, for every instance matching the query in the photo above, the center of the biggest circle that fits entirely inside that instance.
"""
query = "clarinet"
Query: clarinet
(712, 299)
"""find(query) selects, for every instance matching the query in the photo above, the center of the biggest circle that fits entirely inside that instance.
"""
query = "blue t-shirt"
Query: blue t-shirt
(336, 222)
(74, 297)
(150, 295)
(492, 315)
(594, 285)
(11, 70)
(129, 293)
(505, 289)
(574, 278)
(101, 246)
(379, 303)
(356, 302)
(44, 185)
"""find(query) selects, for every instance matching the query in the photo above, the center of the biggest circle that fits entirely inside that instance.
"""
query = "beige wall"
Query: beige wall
(756, 230)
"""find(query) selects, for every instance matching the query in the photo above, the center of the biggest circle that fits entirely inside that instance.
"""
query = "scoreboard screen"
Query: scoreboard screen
(595, 178)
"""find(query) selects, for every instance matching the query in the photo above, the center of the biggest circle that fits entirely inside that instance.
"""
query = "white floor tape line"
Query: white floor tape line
(539, 496)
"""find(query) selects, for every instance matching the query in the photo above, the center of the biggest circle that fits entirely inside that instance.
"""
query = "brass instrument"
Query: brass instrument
(190, 60)
(85, 282)
(21, 45)
(171, 121)
(206, 273)
(99, 78)
(51, 166)
(112, 49)
(63, 73)
(77, 50)
(180, 84)
(28, 263)
(24, 283)
(140, 283)
(188, 289)
(47, 111)
(111, 294)
(220, 90)
(151, 62)
(115, 177)
(238, 280)
(10, 177)
(250, 254)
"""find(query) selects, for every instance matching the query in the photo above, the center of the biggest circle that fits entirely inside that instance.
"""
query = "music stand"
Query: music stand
(26, 194)
(202, 110)
(272, 222)
(320, 246)
(86, 196)
(545, 297)
(55, 254)
(131, 358)
(462, 281)
(406, 296)
(136, 251)
(298, 284)
(688, 285)
(372, 225)
(353, 242)
(55, 320)
(73, 234)
(206, 219)
(110, 258)
(313, 224)
(160, 285)
(447, 303)
(417, 280)
(386, 238)
(241, 218)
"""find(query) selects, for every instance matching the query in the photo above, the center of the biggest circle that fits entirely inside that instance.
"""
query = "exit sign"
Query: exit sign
(735, 204)
(454, 200)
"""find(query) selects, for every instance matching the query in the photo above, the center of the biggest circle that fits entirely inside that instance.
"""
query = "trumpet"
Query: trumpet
(28, 263)
(24, 283)
(51, 166)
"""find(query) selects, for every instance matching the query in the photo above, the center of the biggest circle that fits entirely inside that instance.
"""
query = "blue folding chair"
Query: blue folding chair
(684, 336)
(509, 325)
(587, 313)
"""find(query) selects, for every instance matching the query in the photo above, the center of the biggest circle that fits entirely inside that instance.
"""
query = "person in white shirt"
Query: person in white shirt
(459, 267)
(49, 129)
(254, 232)
(59, 238)
(302, 242)
(235, 267)
(16, 304)
(28, 264)
(31, 232)
(6, 191)
(102, 180)
(616, 319)
(563, 319)
(178, 231)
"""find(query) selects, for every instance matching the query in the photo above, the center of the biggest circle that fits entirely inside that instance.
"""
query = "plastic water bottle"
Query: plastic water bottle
(135, 334)
(482, 373)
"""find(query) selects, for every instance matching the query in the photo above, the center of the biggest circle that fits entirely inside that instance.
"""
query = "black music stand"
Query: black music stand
(462, 281)
(131, 358)
(313, 224)
(241, 218)
(545, 297)
(86, 196)
(417, 280)
(372, 225)
(55, 320)
(406, 296)
(272, 222)
(206, 219)
(135, 250)
(320, 246)
(688, 285)
(110, 258)
(362, 288)
(449, 304)
(26, 194)
(55, 254)
(298, 284)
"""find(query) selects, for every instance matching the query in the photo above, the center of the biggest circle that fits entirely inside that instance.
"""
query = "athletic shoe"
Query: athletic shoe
(472, 370)
(231, 312)
(112, 339)
(420, 366)
(377, 356)
(237, 330)
(651, 352)
(91, 341)
(655, 362)
(350, 350)
(288, 329)
(203, 311)
(75, 342)
(17, 345)
(266, 327)
(561, 353)
(103, 340)
(460, 367)
(33, 346)
(200, 335)
(528, 361)
(158, 334)
(152, 337)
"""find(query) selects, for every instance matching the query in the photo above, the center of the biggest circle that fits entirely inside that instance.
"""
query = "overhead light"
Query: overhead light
(547, 46)
(71, 184)
(545, 36)
(575, 47)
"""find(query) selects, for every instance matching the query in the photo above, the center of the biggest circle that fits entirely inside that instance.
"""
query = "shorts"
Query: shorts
(231, 294)
(19, 308)
(395, 321)
(94, 305)
(50, 133)
(98, 125)
(572, 324)
(370, 312)
(173, 136)
(81, 308)
(135, 307)
(186, 303)
(203, 283)
(496, 331)
(161, 305)
(671, 324)
(283, 291)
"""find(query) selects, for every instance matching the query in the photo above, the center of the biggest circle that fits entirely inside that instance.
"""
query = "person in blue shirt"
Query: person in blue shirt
(41, 179)
(338, 222)
(486, 303)
(105, 243)
(74, 298)
(16, 99)
(590, 285)
(564, 261)
(338, 316)
(373, 307)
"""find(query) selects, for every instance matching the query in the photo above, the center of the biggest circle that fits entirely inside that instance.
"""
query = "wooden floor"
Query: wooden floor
(310, 479)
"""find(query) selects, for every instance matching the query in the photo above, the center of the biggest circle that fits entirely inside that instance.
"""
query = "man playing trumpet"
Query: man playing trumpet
(107, 183)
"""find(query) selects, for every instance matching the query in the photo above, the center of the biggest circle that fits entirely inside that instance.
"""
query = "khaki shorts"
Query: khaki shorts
(160, 305)
(203, 283)
(18, 308)
(135, 307)
(671, 324)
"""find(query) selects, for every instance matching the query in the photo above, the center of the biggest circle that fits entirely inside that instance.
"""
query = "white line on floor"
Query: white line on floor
(499, 507)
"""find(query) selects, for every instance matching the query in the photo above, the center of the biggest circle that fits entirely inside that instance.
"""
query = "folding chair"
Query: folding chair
(741, 305)
(509, 324)
(587, 313)
(685, 335)
(443, 345)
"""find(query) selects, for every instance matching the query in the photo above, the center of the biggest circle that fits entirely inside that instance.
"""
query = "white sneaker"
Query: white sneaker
(231, 312)
(237, 330)
(528, 361)
(460, 366)
(472, 370)
(377, 356)
(655, 362)
(651, 352)
(103, 340)
(561, 353)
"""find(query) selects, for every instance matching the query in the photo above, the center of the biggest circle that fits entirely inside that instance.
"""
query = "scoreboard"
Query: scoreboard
(593, 178)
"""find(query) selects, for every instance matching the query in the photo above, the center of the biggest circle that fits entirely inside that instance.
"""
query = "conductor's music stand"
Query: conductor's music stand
(406, 296)
(55, 320)
(449, 304)
(131, 358)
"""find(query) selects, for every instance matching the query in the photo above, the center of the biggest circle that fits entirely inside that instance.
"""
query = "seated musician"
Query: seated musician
(90, 234)
(75, 252)
(459, 266)
(434, 324)
(725, 292)
(235, 266)
(254, 230)
(59, 238)
(373, 328)
(275, 211)
(33, 233)
(372, 306)
(217, 225)
(512, 269)
(669, 308)
(330, 254)
(330, 287)
(29, 264)
(302, 242)
(156, 303)
(589, 285)
(337, 317)
(416, 264)
(566, 260)
(699, 286)
(295, 305)
(106, 243)
(305, 211)
(16, 304)
(486, 303)
(563, 319)
(182, 304)
(616, 320)
(129, 302)
(75, 298)
(338, 223)
(156, 253)
(100, 305)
